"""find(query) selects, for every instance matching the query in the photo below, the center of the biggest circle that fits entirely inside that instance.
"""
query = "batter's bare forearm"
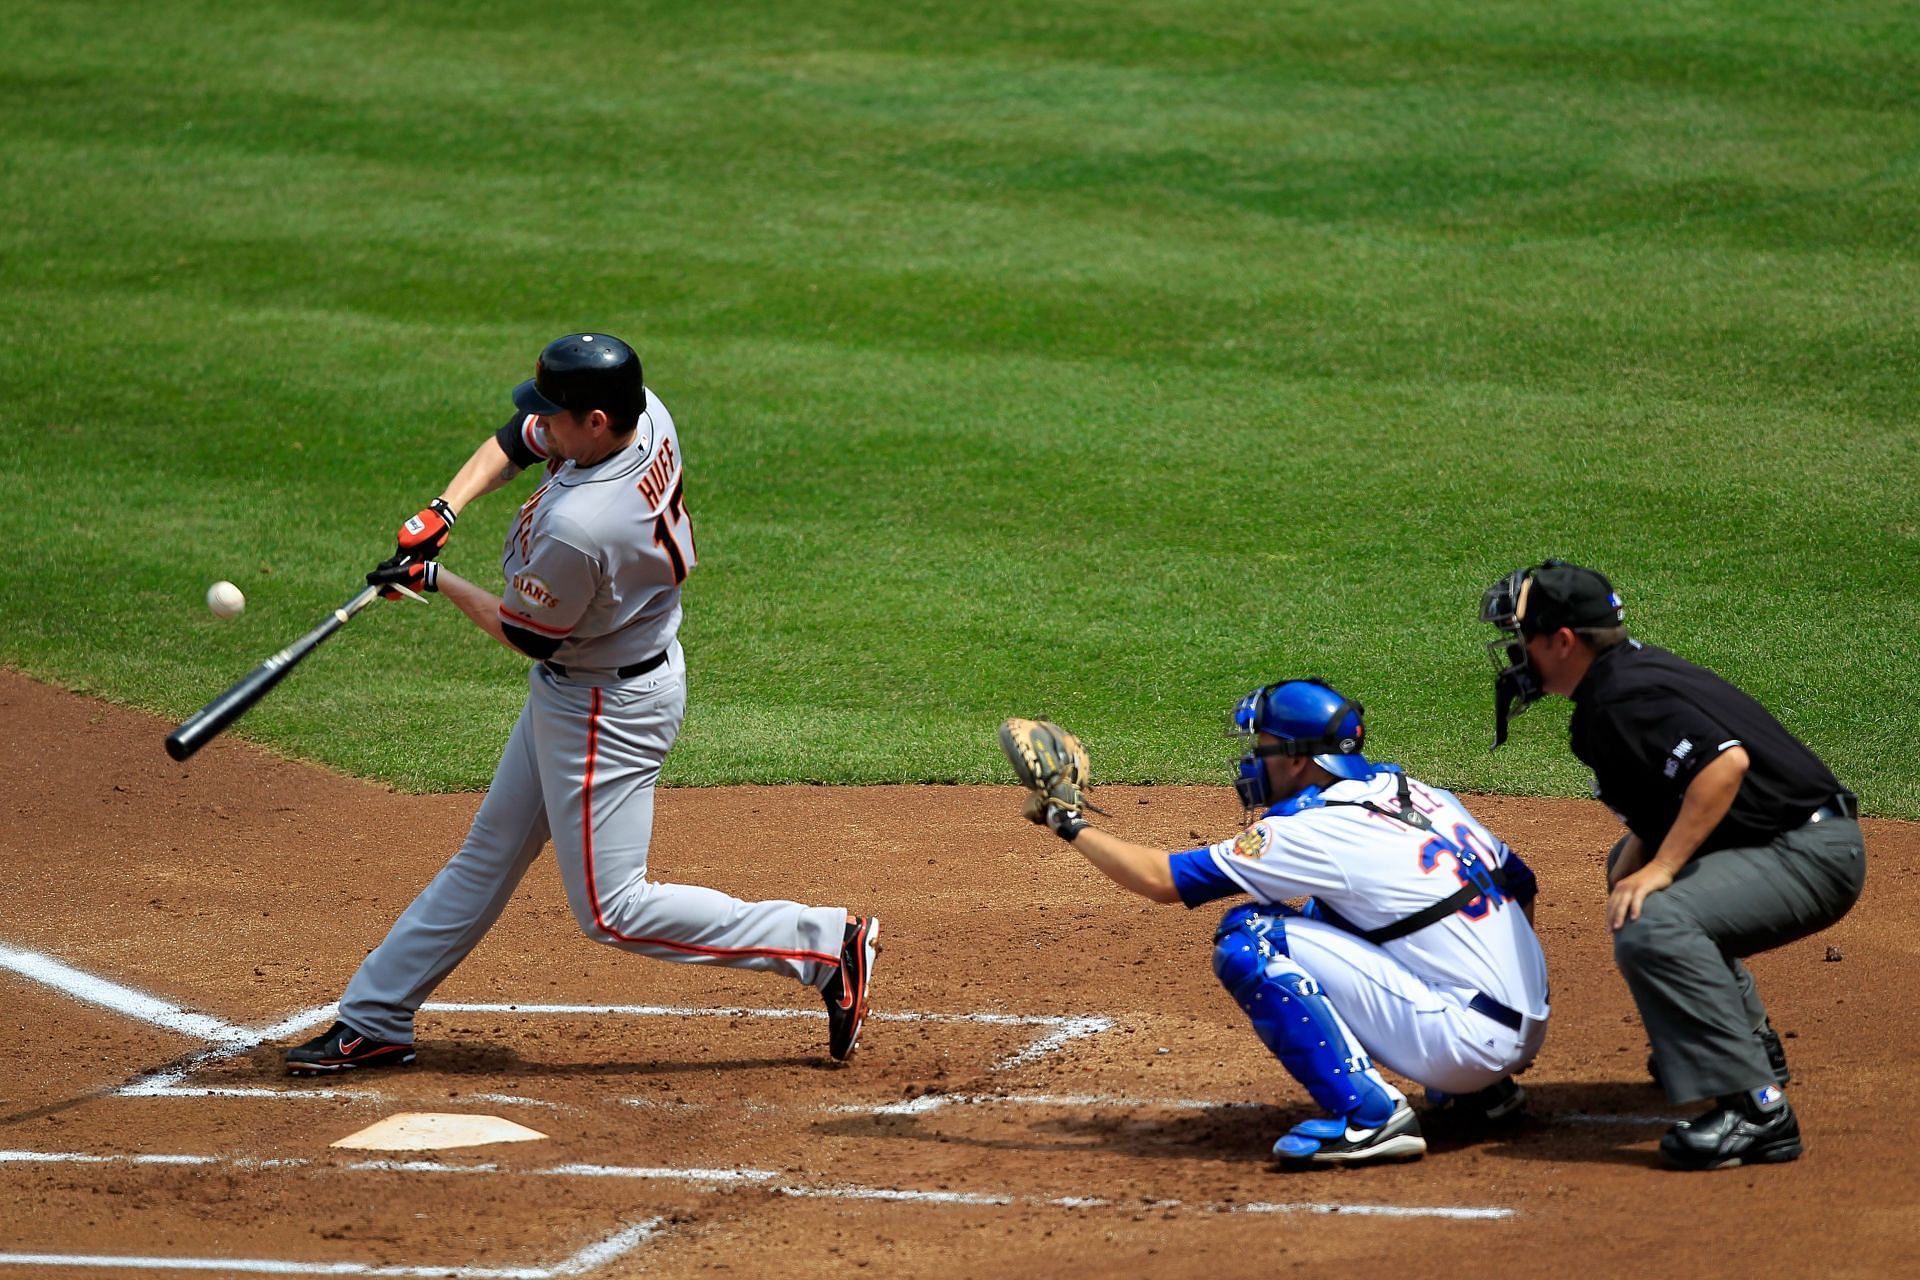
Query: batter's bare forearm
(488, 469)
(479, 604)
(1136, 867)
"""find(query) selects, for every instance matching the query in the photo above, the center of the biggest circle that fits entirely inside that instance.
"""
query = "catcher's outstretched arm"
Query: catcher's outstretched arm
(1143, 870)
(1052, 765)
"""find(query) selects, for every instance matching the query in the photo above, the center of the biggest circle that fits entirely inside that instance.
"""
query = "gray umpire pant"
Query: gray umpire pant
(1681, 958)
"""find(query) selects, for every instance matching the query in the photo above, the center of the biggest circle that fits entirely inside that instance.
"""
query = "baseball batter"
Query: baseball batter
(1414, 951)
(594, 564)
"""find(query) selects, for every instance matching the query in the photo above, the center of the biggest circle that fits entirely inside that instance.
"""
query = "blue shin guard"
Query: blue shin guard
(1294, 1018)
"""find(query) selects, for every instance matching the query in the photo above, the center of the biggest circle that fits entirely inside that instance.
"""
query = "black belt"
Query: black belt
(1508, 1018)
(1844, 804)
(627, 672)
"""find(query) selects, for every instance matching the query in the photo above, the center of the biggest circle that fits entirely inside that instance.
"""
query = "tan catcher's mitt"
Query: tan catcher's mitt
(1050, 763)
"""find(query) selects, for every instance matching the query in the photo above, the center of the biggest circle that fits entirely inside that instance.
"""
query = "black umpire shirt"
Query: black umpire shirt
(1646, 722)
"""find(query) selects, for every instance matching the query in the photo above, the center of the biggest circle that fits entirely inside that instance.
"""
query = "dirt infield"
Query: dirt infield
(1054, 1083)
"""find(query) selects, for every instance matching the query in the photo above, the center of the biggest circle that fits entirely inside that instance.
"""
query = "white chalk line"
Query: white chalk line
(138, 1005)
(1071, 1029)
(1583, 1117)
(1057, 1020)
(765, 1179)
(929, 1102)
(711, 1176)
(231, 1040)
(1062, 1029)
(513, 1100)
(166, 1084)
(595, 1255)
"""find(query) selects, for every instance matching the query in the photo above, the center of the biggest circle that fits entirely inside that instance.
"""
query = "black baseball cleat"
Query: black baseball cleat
(846, 991)
(1502, 1100)
(1735, 1132)
(343, 1049)
(1337, 1141)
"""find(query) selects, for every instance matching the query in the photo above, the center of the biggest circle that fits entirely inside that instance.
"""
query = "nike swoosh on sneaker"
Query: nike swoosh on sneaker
(848, 985)
(348, 1046)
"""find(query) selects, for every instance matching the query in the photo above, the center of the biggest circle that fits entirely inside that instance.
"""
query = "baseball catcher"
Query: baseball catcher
(1414, 949)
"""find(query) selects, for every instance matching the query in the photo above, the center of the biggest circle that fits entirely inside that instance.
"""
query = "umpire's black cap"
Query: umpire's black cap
(584, 371)
(1558, 594)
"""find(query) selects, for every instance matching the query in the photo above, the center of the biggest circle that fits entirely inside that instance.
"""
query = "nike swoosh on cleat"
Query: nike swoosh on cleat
(847, 989)
(348, 1046)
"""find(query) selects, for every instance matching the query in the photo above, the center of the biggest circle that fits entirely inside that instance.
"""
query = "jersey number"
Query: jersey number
(1490, 896)
(668, 539)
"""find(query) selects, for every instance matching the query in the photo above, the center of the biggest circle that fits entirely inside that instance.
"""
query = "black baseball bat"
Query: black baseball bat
(200, 728)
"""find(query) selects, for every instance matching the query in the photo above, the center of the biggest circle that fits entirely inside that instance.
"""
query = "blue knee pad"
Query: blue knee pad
(1294, 1018)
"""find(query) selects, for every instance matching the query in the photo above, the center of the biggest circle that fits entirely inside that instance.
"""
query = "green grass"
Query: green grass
(1095, 360)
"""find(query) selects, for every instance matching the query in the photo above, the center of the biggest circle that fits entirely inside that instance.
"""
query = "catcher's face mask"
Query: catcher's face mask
(1517, 685)
(1250, 770)
(1309, 719)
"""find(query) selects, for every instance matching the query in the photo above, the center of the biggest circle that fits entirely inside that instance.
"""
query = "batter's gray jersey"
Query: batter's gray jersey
(597, 555)
(595, 560)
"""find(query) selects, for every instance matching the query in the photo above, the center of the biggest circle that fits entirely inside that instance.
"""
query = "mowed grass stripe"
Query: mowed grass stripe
(1094, 360)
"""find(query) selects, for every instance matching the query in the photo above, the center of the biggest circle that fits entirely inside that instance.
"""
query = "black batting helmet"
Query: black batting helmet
(584, 371)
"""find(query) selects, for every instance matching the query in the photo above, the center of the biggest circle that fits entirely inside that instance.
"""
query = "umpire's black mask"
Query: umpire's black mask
(1538, 601)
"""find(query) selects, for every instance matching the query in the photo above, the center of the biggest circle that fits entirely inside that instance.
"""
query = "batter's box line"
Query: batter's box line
(231, 1040)
(1062, 1028)
(936, 1101)
(1060, 1031)
(767, 1180)
(595, 1255)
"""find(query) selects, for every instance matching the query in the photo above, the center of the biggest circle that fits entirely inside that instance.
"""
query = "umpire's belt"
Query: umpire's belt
(1844, 804)
(1508, 1018)
(627, 672)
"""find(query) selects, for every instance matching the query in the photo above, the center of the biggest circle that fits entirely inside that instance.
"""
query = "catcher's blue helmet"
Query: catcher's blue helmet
(1310, 718)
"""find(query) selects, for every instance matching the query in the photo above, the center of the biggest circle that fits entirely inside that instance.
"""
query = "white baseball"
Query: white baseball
(225, 600)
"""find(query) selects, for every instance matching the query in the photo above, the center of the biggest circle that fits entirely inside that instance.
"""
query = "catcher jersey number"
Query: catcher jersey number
(1435, 849)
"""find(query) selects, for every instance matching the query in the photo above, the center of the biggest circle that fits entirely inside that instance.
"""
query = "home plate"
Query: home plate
(435, 1130)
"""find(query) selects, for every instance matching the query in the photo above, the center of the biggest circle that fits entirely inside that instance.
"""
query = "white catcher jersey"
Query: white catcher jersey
(597, 554)
(1375, 870)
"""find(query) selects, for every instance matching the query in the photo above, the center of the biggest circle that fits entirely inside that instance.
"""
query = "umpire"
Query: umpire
(1738, 840)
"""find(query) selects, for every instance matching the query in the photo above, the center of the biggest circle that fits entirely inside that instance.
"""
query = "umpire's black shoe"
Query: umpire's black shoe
(846, 991)
(1735, 1132)
(342, 1049)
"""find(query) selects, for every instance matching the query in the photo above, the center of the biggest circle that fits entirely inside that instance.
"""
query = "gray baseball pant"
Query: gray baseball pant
(580, 767)
(1681, 958)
